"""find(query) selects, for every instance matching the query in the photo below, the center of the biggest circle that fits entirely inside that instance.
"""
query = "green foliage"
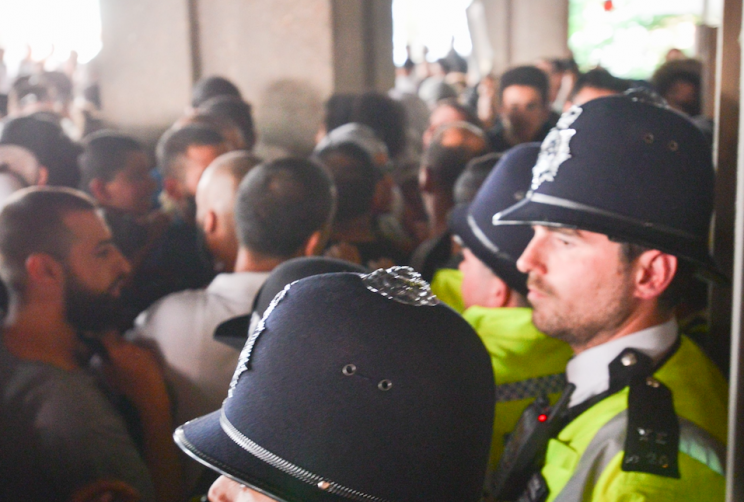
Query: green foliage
(630, 41)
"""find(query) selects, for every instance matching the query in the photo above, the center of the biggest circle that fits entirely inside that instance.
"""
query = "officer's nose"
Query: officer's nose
(530, 260)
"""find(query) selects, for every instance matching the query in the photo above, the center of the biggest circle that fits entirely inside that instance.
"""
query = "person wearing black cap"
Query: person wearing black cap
(526, 363)
(235, 331)
(621, 201)
(353, 387)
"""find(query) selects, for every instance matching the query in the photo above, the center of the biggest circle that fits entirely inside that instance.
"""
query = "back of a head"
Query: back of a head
(600, 78)
(42, 209)
(338, 110)
(281, 204)
(672, 73)
(175, 142)
(235, 110)
(467, 114)
(453, 146)
(105, 154)
(471, 179)
(210, 87)
(385, 116)
(238, 163)
(435, 89)
(48, 142)
(355, 177)
(529, 76)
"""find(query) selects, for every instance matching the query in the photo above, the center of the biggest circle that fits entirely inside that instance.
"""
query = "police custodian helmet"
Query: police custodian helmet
(499, 247)
(355, 387)
(628, 167)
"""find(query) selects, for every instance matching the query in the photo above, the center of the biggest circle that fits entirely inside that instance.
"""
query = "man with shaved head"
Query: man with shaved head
(249, 227)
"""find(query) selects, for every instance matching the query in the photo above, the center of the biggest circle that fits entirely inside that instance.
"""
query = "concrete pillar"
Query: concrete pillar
(286, 54)
(145, 64)
(725, 157)
(363, 45)
(522, 31)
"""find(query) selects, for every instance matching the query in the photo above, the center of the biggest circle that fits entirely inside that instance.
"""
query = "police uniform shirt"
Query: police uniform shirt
(589, 371)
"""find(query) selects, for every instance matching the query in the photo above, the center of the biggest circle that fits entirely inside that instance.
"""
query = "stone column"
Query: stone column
(145, 64)
(522, 31)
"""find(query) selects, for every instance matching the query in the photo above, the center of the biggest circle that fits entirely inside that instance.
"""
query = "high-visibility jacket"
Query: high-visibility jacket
(587, 461)
(526, 364)
(447, 286)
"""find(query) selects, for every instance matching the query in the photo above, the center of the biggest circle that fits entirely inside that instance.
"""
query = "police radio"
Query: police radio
(526, 446)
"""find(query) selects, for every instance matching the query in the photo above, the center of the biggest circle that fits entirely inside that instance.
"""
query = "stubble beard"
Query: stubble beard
(580, 325)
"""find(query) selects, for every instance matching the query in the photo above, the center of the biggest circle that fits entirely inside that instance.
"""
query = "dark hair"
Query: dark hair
(599, 78)
(32, 222)
(105, 154)
(48, 142)
(471, 179)
(279, 205)
(684, 70)
(448, 162)
(470, 116)
(210, 87)
(338, 110)
(355, 177)
(678, 288)
(385, 116)
(174, 143)
(237, 111)
(529, 76)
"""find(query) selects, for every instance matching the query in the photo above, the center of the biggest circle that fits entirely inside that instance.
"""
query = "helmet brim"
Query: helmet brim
(204, 440)
(617, 228)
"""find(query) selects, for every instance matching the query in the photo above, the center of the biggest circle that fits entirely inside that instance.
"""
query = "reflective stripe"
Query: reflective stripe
(550, 200)
(481, 236)
(532, 387)
(610, 441)
(702, 446)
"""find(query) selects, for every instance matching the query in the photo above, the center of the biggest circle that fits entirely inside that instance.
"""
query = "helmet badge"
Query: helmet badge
(555, 150)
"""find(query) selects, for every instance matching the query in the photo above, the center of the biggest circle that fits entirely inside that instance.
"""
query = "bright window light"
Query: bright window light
(52, 29)
(631, 37)
(432, 24)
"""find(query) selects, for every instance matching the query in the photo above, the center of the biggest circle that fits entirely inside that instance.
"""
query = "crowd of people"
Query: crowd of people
(464, 293)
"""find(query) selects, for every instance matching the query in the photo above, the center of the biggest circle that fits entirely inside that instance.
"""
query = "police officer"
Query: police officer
(620, 201)
(526, 363)
(352, 387)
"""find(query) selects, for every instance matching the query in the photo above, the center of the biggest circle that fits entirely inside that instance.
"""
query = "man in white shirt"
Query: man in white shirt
(281, 210)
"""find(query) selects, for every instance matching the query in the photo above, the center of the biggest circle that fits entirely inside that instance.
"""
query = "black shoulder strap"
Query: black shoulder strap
(622, 373)
(652, 438)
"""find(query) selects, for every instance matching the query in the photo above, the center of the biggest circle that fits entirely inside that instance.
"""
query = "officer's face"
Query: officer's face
(480, 286)
(581, 288)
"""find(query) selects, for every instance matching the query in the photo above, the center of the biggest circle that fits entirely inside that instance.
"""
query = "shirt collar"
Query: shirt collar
(589, 371)
(237, 285)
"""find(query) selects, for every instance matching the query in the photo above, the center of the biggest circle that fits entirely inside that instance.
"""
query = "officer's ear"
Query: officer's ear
(653, 273)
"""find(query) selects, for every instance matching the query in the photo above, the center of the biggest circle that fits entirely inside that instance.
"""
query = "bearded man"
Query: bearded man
(60, 430)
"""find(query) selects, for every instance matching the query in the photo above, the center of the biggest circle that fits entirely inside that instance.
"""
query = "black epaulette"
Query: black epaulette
(652, 437)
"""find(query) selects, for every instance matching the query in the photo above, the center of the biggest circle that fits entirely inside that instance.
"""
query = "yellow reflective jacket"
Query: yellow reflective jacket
(700, 395)
(446, 285)
(526, 364)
